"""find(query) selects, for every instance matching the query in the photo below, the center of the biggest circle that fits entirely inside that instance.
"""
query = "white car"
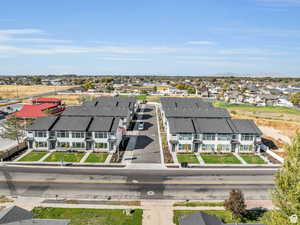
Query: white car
(141, 126)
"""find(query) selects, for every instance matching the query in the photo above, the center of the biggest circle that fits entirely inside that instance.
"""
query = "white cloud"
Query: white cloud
(125, 59)
(20, 31)
(200, 43)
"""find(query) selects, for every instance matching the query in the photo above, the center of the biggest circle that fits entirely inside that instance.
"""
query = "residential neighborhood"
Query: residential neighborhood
(150, 112)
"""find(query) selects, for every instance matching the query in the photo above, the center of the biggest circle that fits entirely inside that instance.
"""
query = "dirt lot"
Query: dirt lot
(12, 91)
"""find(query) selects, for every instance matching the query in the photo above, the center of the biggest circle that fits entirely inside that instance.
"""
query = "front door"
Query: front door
(88, 145)
(196, 147)
(52, 145)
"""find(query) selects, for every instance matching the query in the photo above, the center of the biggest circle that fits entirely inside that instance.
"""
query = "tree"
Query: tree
(154, 89)
(191, 90)
(88, 85)
(295, 98)
(13, 129)
(143, 92)
(286, 194)
(236, 204)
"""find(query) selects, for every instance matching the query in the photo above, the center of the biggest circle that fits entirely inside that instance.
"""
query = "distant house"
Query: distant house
(202, 218)
(18, 216)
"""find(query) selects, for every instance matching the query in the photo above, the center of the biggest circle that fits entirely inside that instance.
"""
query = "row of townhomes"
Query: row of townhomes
(97, 125)
(195, 125)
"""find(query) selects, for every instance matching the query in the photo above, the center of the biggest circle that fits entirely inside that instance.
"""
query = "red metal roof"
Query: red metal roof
(36, 110)
(44, 99)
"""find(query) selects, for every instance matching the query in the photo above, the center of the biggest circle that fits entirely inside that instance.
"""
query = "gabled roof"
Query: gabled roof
(43, 123)
(191, 108)
(212, 125)
(242, 126)
(200, 218)
(14, 213)
(72, 123)
(46, 99)
(104, 124)
(35, 110)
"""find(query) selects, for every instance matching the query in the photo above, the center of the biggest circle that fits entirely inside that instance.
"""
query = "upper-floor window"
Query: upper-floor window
(197, 136)
(40, 133)
(62, 134)
(77, 134)
(247, 137)
(209, 137)
(224, 137)
(100, 135)
(185, 136)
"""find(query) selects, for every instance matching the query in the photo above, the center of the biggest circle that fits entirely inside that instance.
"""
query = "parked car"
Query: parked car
(141, 126)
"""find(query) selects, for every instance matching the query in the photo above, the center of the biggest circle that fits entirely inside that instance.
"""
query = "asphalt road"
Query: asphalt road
(134, 184)
(147, 149)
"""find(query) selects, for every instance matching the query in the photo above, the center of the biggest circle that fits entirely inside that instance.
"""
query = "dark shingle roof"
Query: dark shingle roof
(219, 126)
(212, 125)
(96, 111)
(72, 123)
(14, 213)
(42, 123)
(245, 127)
(200, 218)
(181, 125)
(107, 124)
(191, 108)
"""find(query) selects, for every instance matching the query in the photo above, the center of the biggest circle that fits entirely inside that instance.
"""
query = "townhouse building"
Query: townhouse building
(98, 125)
(196, 126)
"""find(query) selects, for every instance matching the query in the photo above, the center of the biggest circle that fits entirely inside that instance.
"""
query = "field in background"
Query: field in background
(15, 91)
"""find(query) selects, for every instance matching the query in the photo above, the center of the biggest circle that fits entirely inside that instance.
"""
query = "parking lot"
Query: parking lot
(146, 142)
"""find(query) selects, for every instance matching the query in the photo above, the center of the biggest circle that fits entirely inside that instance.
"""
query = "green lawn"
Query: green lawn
(189, 158)
(97, 157)
(138, 97)
(220, 159)
(252, 159)
(90, 216)
(66, 156)
(32, 156)
(195, 204)
(225, 216)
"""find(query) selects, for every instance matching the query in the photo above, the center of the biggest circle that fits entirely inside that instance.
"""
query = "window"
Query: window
(224, 137)
(224, 147)
(185, 136)
(101, 145)
(78, 145)
(209, 137)
(185, 147)
(197, 136)
(63, 144)
(63, 134)
(41, 144)
(247, 137)
(100, 135)
(208, 147)
(77, 134)
(40, 134)
(246, 147)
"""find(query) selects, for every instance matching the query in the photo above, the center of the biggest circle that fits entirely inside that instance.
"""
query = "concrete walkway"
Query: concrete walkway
(45, 156)
(240, 158)
(86, 156)
(22, 155)
(200, 158)
(157, 212)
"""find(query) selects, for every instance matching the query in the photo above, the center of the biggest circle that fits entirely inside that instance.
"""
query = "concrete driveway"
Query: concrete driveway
(146, 142)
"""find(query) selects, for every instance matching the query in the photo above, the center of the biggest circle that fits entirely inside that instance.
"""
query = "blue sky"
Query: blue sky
(172, 37)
